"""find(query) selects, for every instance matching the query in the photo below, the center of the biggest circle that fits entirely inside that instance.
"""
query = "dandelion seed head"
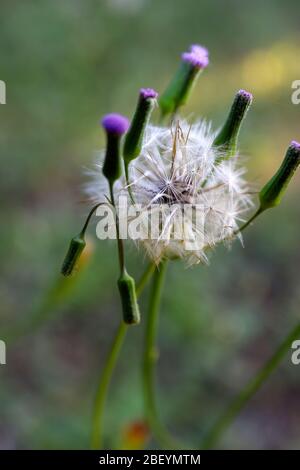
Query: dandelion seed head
(179, 167)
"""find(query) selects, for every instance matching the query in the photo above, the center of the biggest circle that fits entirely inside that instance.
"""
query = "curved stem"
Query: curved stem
(249, 390)
(248, 222)
(89, 217)
(149, 360)
(106, 376)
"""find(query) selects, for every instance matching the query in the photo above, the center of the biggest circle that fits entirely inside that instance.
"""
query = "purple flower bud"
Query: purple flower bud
(115, 123)
(135, 135)
(148, 93)
(271, 194)
(245, 94)
(295, 145)
(199, 49)
(197, 56)
(180, 88)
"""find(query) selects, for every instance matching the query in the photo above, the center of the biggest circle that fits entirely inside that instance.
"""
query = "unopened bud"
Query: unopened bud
(131, 312)
(227, 137)
(76, 247)
(272, 192)
(115, 126)
(135, 134)
(178, 91)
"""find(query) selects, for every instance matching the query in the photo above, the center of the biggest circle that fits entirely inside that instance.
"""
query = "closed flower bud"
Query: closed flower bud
(272, 192)
(228, 135)
(134, 137)
(131, 312)
(178, 91)
(76, 247)
(115, 126)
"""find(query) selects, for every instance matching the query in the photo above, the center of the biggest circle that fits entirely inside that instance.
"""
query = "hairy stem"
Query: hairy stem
(106, 375)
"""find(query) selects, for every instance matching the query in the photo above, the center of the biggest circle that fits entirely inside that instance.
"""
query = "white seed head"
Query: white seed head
(197, 202)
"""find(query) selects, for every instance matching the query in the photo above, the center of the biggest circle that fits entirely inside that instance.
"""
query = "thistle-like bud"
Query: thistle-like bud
(227, 137)
(178, 91)
(134, 137)
(76, 247)
(131, 312)
(115, 126)
(272, 192)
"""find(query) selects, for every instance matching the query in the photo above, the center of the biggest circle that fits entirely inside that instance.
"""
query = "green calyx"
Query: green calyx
(179, 88)
(134, 137)
(112, 168)
(76, 247)
(271, 194)
(227, 138)
(131, 312)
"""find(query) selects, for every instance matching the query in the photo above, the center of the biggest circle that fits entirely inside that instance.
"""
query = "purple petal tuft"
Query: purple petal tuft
(148, 93)
(197, 56)
(245, 94)
(115, 123)
(295, 145)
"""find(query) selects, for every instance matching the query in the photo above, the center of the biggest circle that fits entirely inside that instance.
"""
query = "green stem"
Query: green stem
(249, 390)
(106, 376)
(126, 166)
(119, 241)
(97, 424)
(144, 278)
(89, 217)
(149, 360)
(248, 222)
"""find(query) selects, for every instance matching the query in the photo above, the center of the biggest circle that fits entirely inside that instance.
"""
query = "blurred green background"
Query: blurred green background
(65, 63)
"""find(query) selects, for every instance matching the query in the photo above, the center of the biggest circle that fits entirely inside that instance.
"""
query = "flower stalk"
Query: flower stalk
(110, 363)
(149, 360)
(115, 126)
(76, 247)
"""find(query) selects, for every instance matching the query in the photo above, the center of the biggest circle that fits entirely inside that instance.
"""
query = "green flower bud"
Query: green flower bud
(76, 247)
(178, 91)
(134, 136)
(272, 192)
(115, 126)
(131, 312)
(227, 137)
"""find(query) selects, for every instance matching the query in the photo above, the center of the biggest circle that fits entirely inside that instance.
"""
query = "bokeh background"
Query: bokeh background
(65, 63)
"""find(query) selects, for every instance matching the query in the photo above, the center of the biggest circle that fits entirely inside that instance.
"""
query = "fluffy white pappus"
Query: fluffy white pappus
(179, 182)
